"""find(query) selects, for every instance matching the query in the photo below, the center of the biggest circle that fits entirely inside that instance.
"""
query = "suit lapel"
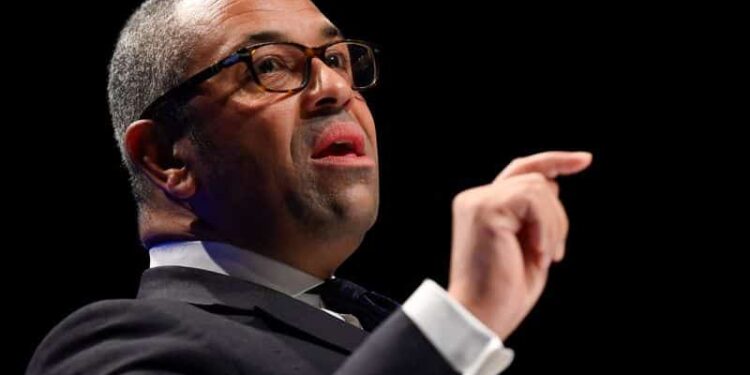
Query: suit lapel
(204, 288)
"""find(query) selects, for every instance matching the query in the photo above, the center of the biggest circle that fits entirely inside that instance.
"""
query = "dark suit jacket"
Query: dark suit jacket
(189, 321)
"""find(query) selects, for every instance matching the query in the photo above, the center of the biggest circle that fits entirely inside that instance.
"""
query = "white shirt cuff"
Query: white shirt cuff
(465, 342)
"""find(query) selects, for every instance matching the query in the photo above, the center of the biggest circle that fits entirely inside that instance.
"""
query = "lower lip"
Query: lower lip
(347, 161)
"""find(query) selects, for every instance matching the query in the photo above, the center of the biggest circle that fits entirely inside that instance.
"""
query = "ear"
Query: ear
(156, 158)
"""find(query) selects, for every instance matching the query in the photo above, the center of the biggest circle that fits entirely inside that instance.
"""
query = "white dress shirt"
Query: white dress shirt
(465, 342)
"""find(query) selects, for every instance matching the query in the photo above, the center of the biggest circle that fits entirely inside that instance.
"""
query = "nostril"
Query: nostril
(327, 101)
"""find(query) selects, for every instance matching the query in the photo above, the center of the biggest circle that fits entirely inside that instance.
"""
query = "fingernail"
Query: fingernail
(585, 154)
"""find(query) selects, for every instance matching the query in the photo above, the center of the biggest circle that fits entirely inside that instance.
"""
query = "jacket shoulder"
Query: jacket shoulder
(118, 336)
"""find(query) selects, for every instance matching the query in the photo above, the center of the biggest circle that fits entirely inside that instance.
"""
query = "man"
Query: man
(254, 166)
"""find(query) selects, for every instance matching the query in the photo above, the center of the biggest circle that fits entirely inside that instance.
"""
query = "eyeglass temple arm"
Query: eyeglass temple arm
(186, 90)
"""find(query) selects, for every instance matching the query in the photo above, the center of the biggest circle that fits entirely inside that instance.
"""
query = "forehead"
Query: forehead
(226, 25)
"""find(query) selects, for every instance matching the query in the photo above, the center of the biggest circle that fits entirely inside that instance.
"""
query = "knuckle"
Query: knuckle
(535, 183)
(465, 201)
(459, 200)
(537, 178)
(475, 205)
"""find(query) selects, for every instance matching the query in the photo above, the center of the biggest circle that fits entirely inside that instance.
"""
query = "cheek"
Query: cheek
(267, 126)
(362, 113)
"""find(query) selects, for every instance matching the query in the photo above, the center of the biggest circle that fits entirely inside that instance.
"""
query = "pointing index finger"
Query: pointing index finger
(551, 164)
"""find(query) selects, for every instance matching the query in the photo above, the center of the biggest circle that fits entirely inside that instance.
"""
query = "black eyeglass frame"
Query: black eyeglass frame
(181, 93)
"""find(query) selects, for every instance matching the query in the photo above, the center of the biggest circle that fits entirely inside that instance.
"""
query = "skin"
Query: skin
(250, 179)
(506, 234)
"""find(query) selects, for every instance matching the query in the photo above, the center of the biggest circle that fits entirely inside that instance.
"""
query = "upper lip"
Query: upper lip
(345, 134)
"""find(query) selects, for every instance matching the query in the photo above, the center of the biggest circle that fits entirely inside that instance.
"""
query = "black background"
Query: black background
(464, 89)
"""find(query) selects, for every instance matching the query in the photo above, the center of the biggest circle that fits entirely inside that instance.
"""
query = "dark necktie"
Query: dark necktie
(346, 297)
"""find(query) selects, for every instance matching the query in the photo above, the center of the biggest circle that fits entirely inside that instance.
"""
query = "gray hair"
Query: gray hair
(151, 56)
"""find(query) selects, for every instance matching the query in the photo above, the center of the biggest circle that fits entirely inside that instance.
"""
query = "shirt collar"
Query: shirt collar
(236, 262)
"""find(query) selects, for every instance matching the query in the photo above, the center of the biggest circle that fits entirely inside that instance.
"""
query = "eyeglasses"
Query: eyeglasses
(282, 67)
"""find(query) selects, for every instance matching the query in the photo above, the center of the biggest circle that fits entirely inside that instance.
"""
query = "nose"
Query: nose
(327, 90)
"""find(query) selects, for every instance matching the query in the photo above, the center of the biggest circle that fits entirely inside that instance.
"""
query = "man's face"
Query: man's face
(262, 160)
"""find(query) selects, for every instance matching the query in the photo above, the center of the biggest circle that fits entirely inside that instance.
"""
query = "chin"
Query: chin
(351, 211)
(334, 208)
(360, 206)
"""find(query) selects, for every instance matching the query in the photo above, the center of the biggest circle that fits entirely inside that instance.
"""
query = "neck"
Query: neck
(319, 257)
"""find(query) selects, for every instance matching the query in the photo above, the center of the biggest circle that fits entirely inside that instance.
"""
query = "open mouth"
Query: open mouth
(339, 141)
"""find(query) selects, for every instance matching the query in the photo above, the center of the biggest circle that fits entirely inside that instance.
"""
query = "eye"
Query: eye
(269, 65)
(335, 60)
(360, 63)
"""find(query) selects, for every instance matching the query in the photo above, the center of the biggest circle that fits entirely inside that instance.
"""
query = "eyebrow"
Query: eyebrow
(327, 32)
